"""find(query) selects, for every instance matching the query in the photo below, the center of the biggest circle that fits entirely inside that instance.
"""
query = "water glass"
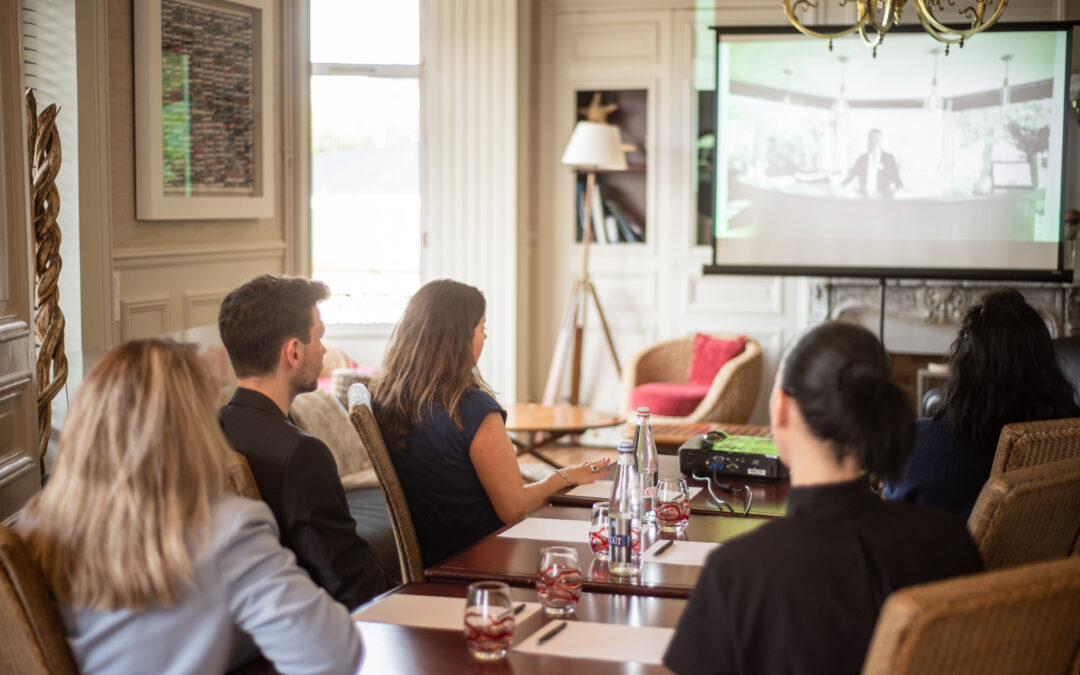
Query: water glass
(673, 499)
(489, 620)
(558, 579)
(598, 530)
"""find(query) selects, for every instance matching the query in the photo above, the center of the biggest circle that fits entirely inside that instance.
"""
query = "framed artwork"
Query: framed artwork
(204, 113)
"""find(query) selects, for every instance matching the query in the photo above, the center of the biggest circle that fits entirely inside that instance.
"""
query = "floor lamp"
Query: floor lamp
(593, 147)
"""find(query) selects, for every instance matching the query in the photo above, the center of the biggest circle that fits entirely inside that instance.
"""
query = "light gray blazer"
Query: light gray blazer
(248, 593)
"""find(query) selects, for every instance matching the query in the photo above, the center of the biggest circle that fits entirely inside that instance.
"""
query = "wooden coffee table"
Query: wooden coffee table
(669, 437)
(545, 424)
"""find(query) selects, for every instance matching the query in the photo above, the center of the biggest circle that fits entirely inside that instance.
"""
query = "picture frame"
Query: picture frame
(204, 109)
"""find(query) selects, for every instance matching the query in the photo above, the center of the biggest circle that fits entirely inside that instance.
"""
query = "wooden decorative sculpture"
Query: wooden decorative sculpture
(43, 140)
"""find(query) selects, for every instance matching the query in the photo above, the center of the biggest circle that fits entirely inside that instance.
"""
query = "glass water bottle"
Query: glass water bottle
(624, 516)
(645, 450)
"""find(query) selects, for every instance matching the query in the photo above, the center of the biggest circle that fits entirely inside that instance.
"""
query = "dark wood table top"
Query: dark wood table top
(514, 560)
(390, 648)
(669, 437)
(563, 419)
(770, 498)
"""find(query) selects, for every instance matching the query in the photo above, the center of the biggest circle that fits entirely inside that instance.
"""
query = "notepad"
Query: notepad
(601, 490)
(550, 529)
(426, 611)
(602, 642)
(680, 553)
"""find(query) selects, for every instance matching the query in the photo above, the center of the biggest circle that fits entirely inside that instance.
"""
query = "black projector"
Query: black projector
(718, 453)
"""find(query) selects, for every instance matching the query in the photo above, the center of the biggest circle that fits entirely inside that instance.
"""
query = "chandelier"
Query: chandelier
(874, 18)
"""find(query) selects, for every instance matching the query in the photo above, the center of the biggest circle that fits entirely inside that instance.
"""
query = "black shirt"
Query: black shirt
(448, 504)
(297, 477)
(802, 594)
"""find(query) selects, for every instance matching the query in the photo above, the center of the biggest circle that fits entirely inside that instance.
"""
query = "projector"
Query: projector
(726, 455)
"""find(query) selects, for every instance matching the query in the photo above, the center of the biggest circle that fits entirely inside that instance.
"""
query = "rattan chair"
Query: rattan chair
(240, 480)
(1026, 444)
(408, 546)
(33, 638)
(1028, 515)
(1020, 620)
(731, 397)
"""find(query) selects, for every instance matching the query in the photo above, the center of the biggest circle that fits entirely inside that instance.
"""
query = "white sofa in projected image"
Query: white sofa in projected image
(787, 209)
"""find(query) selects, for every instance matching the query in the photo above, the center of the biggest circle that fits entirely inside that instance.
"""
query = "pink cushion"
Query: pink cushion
(710, 355)
(668, 398)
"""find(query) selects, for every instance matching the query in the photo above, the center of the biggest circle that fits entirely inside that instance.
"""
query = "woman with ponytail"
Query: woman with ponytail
(801, 594)
(1002, 369)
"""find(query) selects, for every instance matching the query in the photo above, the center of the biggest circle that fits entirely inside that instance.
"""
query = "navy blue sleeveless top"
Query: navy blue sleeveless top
(447, 501)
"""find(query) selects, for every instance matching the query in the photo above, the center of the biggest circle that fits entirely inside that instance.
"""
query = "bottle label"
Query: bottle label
(619, 540)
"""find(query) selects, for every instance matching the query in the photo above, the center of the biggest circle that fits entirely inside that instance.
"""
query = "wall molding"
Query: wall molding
(146, 256)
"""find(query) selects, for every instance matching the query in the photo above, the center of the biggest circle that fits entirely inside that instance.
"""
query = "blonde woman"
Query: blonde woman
(156, 569)
(445, 431)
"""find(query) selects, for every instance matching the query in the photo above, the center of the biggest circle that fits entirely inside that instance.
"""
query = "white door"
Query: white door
(19, 473)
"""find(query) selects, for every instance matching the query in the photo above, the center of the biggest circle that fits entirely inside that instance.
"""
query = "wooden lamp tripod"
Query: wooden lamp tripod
(593, 146)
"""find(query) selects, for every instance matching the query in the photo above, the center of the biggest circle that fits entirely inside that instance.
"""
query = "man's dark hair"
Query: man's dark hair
(258, 317)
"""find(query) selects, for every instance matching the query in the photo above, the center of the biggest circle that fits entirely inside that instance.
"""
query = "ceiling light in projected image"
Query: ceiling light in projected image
(875, 18)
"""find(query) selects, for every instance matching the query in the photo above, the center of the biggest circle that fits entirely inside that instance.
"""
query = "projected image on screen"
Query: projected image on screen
(914, 159)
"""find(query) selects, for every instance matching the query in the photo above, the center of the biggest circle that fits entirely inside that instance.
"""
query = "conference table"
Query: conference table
(502, 556)
(401, 647)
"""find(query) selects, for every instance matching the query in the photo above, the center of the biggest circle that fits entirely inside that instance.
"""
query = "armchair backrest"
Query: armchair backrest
(33, 639)
(1020, 620)
(408, 545)
(1028, 515)
(1025, 444)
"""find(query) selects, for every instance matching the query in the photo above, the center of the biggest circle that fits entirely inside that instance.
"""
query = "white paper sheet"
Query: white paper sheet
(550, 529)
(426, 611)
(601, 641)
(680, 552)
(601, 490)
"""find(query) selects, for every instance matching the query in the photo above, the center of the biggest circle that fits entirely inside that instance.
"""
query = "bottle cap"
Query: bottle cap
(626, 446)
(644, 410)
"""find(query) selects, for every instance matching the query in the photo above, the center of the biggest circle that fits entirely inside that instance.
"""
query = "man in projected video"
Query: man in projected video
(875, 169)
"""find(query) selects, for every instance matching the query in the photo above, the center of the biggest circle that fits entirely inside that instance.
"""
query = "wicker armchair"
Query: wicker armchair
(240, 480)
(1025, 444)
(1019, 620)
(408, 545)
(1028, 515)
(730, 398)
(33, 640)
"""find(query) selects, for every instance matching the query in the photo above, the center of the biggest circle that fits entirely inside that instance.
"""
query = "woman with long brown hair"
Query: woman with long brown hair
(155, 568)
(445, 431)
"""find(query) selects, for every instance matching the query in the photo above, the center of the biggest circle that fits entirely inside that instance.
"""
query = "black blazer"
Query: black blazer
(298, 479)
(888, 177)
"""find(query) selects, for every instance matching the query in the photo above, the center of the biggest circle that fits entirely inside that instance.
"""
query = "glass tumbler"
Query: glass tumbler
(489, 620)
(598, 530)
(673, 504)
(558, 580)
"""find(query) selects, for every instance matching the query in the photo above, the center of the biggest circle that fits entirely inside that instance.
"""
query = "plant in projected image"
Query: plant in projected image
(1031, 135)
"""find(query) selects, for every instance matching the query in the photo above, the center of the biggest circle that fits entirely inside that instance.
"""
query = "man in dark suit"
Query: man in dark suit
(272, 331)
(878, 174)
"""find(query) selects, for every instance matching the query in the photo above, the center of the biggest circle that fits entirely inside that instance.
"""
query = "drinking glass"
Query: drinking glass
(489, 620)
(598, 530)
(673, 510)
(558, 579)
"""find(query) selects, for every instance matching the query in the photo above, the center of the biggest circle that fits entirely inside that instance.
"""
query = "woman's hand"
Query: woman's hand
(587, 472)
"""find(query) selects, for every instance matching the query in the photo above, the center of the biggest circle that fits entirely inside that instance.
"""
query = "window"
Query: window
(365, 156)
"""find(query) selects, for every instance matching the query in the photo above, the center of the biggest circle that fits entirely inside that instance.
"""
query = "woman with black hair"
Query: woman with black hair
(801, 594)
(1001, 370)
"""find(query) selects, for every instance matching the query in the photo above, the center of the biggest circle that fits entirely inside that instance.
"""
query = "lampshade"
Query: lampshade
(595, 146)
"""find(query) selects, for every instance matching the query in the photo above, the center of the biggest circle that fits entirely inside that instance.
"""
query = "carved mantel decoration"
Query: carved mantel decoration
(43, 141)
(942, 303)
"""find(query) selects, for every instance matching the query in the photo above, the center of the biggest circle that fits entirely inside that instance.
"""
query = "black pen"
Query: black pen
(663, 548)
(519, 608)
(551, 633)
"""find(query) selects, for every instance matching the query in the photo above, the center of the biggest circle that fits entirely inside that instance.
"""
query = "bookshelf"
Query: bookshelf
(620, 197)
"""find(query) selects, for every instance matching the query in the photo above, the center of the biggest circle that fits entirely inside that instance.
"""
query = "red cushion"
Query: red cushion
(710, 355)
(668, 398)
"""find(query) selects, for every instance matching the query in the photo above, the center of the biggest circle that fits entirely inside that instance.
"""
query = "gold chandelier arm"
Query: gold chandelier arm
(880, 28)
(936, 28)
(860, 23)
